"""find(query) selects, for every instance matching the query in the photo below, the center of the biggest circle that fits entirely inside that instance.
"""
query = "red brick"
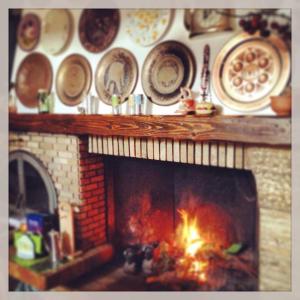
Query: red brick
(88, 174)
(97, 179)
(85, 208)
(92, 213)
(100, 235)
(100, 184)
(86, 234)
(92, 200)
(98, 191)
(99, 204)
(94, 225)
(98, 219)
(88, 160)
(85, 181)
(81, 216)
(86, 195)
(84, 222)
(88, 187)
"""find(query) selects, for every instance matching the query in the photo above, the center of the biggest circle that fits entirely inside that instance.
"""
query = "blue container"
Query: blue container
(39, 222)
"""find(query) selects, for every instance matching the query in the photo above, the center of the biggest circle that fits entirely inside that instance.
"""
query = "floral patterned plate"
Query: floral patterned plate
(147, 26)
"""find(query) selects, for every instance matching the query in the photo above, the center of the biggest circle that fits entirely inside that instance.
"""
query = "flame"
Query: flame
(190, 240)
(190, 236)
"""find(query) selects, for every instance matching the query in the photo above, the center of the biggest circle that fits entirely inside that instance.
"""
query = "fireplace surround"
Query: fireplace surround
(77, 166)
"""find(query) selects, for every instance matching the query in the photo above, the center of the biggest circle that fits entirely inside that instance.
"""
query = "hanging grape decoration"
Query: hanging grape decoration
(259, 22)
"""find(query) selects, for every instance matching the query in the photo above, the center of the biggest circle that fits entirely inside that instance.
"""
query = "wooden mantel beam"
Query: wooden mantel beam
(246, 129)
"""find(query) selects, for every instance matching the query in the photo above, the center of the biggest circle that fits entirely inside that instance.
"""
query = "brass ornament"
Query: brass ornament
(73, 79)
(249, 69)
(167, 68)
(116, 73)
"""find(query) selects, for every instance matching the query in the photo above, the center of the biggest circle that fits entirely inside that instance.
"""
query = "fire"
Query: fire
(190, 241)
(189, 236)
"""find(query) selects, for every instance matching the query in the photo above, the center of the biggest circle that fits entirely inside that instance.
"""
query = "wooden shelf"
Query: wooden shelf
(250, 129)
(44, 277)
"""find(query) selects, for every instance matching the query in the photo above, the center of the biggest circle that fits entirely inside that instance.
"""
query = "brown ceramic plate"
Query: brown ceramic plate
(34, 73)
(28, 34)
(98, 28)
(116, 73)
(168, 67)
(73, 79)
(249, 69)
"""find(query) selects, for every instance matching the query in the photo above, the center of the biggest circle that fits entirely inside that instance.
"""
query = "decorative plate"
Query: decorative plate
(249, 69)
(73, 79)
(201, 21)
(98, 28)
(34, 73)
(147, 26)
(28, 34)
(116, 73)
(167, 68)
(57, 31)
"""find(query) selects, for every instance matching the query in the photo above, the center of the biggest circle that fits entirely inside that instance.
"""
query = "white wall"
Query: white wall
(177, 31)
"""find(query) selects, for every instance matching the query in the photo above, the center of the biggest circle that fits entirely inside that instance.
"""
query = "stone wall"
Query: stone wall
(271, 167)
(78, 178)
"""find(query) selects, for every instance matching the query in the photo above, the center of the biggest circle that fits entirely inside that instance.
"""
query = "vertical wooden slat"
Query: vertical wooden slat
(150, 148)
(239, 156)
(110, 145)
(156, 149)
(183, 151)
(222, 154)
(90, 146)
(115, 146)
(169, 150)
(138, 148)
(126, 146)
(214, 154)
(163, 150)
(105, 146)
(144, 148)
(131, 147)
(191, 152)
(205, 154)
(100, 146)
(176, 151)
(95, 145)
(121, 146)
(230, 155)
(198, 153)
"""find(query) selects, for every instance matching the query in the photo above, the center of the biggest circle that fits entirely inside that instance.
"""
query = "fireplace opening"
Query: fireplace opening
(180, 227)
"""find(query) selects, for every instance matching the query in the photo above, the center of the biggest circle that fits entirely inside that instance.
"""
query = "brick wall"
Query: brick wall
(90, 221)
(78, 178)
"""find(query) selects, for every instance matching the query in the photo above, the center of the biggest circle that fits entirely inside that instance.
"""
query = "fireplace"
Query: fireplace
(234, 191)
(188, 216)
